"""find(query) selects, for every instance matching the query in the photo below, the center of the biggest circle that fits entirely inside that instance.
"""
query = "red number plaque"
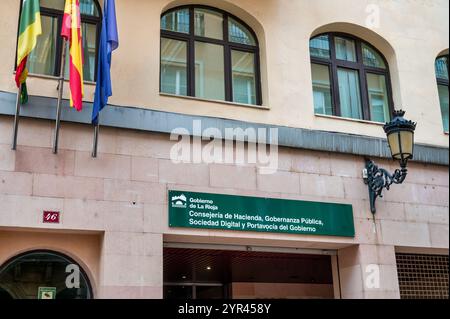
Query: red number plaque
(51, 217)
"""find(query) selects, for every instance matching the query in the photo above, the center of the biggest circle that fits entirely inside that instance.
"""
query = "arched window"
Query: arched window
(207, 53)
(442, 80)
(350, 78)
(45, 59)
(23, 276)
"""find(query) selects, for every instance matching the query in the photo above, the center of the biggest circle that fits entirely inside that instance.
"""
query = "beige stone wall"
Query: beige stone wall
(123, 194)
(411, 34)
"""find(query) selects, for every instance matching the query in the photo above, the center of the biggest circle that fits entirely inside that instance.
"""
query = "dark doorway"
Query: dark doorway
(217, 274)
(24, 276)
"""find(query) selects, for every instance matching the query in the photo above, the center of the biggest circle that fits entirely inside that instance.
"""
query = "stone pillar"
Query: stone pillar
(368, 272)
(131, 266)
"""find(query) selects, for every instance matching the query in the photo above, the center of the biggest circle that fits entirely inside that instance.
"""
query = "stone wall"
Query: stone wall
(122, 198)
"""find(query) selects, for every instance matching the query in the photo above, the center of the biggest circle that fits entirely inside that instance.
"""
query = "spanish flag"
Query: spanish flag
(71, 31)
(29, 29)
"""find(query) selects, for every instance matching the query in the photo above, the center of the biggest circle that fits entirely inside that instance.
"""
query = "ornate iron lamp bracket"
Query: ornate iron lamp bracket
(378, 179)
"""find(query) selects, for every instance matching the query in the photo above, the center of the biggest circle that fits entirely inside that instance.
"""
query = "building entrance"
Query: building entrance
(43, 275)
(229, 274)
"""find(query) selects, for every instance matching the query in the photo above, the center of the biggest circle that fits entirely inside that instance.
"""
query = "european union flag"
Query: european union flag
(109, 41)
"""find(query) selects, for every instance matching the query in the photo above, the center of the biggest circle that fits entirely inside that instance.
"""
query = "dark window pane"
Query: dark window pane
(89, 52)
(208, 24)
(443, 98)
(42, 58)
(322, 89)
(378, 97)
(53, 4)
(209, 71)
(177, 21)
(372, 58)
(244, 80)
(345, 49)
(442, 68)
(87, 7)
(239, 34)
(350, 94)
(173, 66)
(320, 47)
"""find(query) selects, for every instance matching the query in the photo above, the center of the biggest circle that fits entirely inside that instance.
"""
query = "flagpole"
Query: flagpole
(16, 119)
(95, 144)
(60, 96)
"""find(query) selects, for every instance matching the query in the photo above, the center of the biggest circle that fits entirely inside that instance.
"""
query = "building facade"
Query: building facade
(315, 81)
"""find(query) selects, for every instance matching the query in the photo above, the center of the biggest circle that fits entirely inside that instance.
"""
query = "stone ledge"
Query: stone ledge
(165, 122)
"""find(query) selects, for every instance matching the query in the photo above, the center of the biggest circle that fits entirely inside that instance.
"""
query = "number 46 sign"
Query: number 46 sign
(51, 217)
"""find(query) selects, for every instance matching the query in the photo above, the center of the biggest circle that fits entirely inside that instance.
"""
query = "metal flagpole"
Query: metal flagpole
(16, 119)
(96, 131)
(60, 96)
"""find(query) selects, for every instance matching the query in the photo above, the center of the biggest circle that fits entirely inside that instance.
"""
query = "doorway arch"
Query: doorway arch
(22, 276)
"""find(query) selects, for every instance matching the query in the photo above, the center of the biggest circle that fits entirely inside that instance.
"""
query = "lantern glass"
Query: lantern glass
(407, 144)
(394, 144)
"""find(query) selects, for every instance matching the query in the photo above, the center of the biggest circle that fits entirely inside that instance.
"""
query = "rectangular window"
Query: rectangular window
(209, 71)
(345, 49)
(173, 66)
(378, 97)
(244, 81)
(89, 50)
(322, 89)
(42, 58)
(443, 98)
(350, 93)
(208, 24)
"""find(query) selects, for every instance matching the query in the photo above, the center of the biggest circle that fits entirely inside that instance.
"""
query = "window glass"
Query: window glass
(350, 95)
(378, 97)
(53, 4)
(173, 66)
(42, 58)
(87, 7)
(89, 52)
(218, 64)
(209, 71)
(239, 34)
(26, 274)
(208, 24)
(442, 68)
(244, 81)
(176, 21)
(372, 58)
(443, 98)
(345, 49)
(320, 47)
(322, 89)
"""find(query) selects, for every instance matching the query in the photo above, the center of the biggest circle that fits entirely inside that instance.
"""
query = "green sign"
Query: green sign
(47, 293)
(241, 213)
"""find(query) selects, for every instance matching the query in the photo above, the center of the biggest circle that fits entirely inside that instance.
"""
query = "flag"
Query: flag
(29, 30)
(109, 41)
(71, 31)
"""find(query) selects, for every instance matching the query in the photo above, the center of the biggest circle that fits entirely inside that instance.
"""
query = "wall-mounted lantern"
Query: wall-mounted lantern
(400, 136)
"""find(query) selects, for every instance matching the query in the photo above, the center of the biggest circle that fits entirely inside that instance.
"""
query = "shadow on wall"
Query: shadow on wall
(378, 42)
